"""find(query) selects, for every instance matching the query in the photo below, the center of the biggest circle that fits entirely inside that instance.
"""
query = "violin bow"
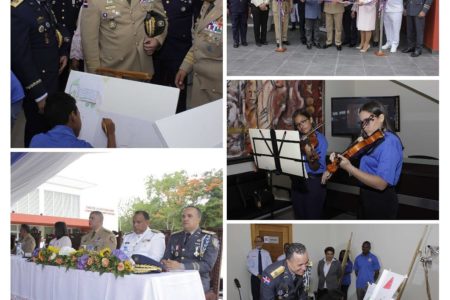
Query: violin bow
(305, 136)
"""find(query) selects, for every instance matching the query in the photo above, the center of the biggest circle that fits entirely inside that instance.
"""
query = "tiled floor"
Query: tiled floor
(298, 60)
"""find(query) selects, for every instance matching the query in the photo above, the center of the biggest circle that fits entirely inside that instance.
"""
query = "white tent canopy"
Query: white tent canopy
(34, 169)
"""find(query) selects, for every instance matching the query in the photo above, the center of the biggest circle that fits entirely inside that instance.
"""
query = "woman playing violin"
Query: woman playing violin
(380, 167)
(308, 196)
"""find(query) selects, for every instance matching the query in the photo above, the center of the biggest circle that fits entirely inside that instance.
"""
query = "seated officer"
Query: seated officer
(63, 116)
(284, 279)
(192, 248)
(143, 240)
(98, 238)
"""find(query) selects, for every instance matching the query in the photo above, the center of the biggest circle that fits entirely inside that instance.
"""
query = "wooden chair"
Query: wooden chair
(138, 76)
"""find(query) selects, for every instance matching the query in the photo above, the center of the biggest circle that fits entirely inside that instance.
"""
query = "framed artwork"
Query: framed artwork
(267, 104)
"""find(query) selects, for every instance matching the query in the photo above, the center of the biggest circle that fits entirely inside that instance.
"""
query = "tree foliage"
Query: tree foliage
(166, 198)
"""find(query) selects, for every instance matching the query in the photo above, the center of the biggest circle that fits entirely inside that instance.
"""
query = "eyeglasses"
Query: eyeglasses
(366, 121)
(301, 123)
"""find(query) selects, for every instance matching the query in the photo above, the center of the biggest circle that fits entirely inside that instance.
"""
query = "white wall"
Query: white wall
(419, 117)
(394, 245)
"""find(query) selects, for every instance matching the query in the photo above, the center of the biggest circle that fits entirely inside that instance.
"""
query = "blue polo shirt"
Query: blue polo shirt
(365, 265)
(385, 160)
(321, 150)
(347, 278)
(60, 136)
(17, 93)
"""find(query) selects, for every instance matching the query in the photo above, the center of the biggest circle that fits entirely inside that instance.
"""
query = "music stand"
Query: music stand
(279, 151)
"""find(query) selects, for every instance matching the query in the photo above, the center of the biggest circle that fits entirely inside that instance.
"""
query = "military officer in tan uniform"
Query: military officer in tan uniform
(204, 58)
(281, 33)
(98, 237)
(113, 34)
(334, 11)
(26, 239)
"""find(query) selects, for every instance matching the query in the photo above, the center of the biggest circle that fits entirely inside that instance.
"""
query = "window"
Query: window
(61, 204)
(28, 204)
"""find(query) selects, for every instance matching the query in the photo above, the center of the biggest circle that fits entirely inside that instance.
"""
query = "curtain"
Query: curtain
(34, 168)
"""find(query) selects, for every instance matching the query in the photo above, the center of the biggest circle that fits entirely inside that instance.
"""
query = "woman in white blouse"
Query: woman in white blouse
(61, 239)
(366, 11)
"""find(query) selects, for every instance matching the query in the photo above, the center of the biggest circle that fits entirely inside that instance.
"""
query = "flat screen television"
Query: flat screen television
(345, 119)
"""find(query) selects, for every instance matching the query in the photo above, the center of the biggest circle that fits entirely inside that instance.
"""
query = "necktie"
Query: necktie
(186, 237)
(260, 269)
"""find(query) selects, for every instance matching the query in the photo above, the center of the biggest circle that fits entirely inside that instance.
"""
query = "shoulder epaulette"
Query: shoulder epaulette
(208, 232)
(127, 233)
(277, 272)
(155, 231)
(15, 3)
(176, 232)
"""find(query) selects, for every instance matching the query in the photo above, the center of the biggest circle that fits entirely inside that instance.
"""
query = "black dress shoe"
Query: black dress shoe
(309, 46)
(416, 53)
(339, 47)
(265, 43)
(244, 44)
(326, 46)
(258, 44)
(286, 43)
(235, 45)
(303, 41)
(345, 43)
(407, 50)
(318, 45)
(375, 44)
(351, 45)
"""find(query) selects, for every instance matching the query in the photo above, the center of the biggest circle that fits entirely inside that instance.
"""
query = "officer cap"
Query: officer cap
(145, 265)
(155, 23)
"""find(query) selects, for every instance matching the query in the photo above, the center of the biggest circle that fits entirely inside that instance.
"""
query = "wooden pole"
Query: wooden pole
(402, 287)
(345, 259)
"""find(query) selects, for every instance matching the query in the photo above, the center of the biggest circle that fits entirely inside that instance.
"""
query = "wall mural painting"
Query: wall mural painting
(267, 104)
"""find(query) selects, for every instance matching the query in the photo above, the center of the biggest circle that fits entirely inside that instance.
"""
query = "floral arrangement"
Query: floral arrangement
(104, 261)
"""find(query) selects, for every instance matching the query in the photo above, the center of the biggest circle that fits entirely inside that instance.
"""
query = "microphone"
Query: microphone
(238, 285)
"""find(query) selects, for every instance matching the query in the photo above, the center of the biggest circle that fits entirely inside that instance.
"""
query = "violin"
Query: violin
(360, 146)
(311, 140)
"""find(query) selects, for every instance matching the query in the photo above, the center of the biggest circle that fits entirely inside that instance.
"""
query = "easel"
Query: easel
(278, 151)
(137, 76)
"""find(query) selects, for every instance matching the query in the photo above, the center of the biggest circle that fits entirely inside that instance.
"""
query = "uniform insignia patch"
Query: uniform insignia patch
(15, 3)
(266, 280)
(215, 243)
(277, 272)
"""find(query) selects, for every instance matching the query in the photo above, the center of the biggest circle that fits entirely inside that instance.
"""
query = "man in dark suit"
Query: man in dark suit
(238, 10)
(329, 272)
(192, 248)
(415, 11)
(39, 54)
(167, 60)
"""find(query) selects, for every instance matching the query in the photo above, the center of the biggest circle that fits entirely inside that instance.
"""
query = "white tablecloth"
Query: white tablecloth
(31, 281)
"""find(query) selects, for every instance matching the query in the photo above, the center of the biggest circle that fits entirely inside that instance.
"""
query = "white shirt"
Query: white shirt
(326, 268)
(394, 6)
(150, 243)
(62, 242)
(252, 260)
(281, 257)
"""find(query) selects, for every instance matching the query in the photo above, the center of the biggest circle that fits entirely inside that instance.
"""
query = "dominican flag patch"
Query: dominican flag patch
(266, 280)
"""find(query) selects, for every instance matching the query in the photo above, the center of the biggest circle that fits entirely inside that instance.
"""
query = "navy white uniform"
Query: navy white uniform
(415, 25)
(197, 251)
(384, 160)
(151, 243)
(167, 60)
(280, 283)
(35, 54)
(252, 267)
